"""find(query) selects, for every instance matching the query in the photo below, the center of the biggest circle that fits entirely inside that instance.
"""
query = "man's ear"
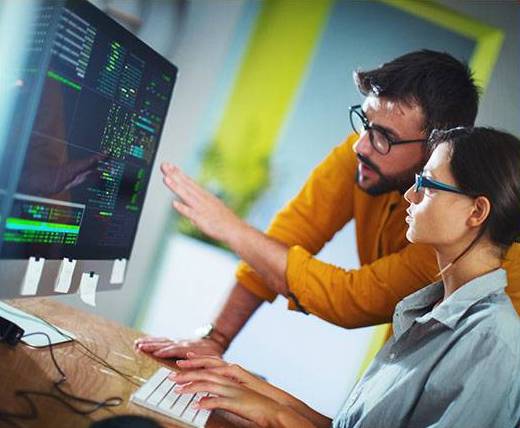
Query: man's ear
(480, 211)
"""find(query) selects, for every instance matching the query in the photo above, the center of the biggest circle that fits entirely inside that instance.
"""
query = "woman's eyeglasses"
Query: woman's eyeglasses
(422, 182)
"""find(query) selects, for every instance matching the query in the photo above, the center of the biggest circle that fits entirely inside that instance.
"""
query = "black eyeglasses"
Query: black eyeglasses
(379, 138)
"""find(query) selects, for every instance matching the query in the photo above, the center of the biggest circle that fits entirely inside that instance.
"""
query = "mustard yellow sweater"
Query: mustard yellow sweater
(392, 268)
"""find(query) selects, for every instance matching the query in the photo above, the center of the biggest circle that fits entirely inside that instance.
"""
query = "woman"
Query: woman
(454, 358)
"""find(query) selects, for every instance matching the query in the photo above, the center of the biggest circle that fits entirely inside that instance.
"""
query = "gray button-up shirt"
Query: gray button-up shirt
(455, 365)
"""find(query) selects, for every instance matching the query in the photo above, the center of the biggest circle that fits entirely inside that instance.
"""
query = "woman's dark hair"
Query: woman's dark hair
(486, 162)
(440, 84)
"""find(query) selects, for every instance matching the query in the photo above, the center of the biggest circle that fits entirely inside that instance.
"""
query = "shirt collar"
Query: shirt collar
(451, 310)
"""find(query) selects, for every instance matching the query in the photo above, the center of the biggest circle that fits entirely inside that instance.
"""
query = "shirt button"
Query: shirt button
(392, 355)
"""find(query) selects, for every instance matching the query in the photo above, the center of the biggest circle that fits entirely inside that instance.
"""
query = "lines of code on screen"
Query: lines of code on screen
(93, 141)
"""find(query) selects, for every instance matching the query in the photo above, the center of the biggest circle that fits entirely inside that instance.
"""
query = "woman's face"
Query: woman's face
(436, 217)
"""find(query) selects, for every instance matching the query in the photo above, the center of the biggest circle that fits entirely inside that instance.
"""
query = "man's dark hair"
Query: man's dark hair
(440, 84)
(486, 162)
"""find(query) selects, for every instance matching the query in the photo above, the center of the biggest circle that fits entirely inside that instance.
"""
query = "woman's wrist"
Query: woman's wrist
(285, 416)
(313, 417)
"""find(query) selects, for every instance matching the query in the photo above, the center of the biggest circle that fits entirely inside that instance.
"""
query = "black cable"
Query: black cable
(86, 350)
(93, 356)
(33, 410)
(463, 253)
(9, 422)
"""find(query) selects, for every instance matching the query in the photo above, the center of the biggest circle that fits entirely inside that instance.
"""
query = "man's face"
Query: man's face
(377, 173)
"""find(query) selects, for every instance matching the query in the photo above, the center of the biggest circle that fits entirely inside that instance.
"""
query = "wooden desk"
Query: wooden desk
(22, 367)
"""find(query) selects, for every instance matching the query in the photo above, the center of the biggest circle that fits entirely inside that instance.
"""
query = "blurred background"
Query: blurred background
(262, 96)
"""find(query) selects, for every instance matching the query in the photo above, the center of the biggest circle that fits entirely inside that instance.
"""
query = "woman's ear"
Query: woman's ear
(480, 211)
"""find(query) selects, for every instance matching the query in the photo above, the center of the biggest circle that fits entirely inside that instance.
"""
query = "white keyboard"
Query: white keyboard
(158, 394)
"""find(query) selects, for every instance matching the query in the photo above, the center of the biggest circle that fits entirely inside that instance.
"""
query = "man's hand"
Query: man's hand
(265, 255)
(203, 209)
(161, 347)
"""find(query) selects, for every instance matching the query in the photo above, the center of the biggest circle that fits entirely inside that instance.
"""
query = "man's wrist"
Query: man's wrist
(237, 235)
(214, 334)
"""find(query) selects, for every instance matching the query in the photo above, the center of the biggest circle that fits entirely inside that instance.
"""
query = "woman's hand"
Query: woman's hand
(198, 367)
(235, 390)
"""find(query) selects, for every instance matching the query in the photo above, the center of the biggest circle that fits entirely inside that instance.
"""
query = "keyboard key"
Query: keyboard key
(182, 403)
(163, 389)
(190, 411)
(151, 385)
(158, 394)
(169, 400)
(202, 417)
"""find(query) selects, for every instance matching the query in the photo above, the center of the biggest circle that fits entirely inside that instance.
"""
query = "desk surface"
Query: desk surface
(22, 367)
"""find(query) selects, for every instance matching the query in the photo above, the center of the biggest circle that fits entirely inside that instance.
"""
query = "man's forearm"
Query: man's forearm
(239, 307)
(264, 254)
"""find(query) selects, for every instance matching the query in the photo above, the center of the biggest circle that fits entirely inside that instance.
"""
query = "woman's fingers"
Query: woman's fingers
(224, 393)
(234, 372)
(242, 402)
(196, 361)
(216, 365)
(211, 403)
(221, 389)
(196, 376)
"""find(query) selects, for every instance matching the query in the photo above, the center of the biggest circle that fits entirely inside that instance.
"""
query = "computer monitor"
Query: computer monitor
(87, 105)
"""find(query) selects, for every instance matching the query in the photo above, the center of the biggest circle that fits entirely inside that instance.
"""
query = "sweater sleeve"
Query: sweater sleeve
(358, 297)
(321, 208)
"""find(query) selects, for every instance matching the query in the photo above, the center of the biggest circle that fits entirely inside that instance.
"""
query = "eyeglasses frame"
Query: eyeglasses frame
(424, 182)
(357, 109)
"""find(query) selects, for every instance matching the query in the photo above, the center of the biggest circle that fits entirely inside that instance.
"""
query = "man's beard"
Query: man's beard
(400, 182)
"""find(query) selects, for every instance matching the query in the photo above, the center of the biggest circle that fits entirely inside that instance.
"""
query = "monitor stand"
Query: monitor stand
(32, 324)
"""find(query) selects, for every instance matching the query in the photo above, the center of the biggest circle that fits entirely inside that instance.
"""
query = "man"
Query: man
(362, 179)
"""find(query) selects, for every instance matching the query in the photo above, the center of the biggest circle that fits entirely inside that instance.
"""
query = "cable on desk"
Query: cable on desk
(85, 349)
(33, 410)
(9, 422)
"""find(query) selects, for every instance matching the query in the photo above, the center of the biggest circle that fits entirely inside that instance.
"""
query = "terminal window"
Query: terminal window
(93, 141)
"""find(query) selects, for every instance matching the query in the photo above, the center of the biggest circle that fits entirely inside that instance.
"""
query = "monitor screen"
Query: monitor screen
(100, 100)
